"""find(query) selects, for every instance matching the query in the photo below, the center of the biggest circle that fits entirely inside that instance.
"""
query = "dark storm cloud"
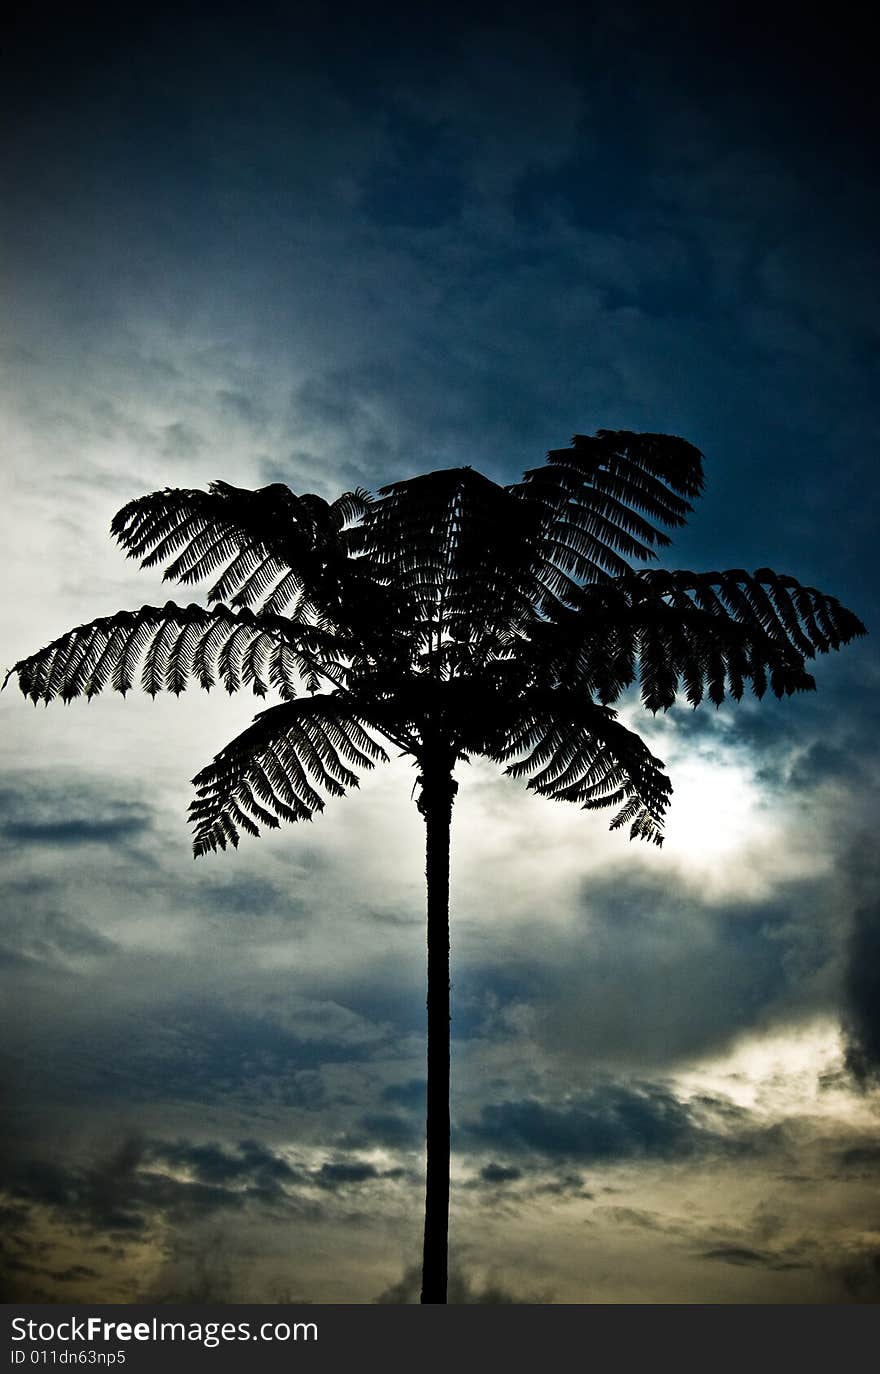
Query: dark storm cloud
(248, 899)
(561, 1184)
(116, 1200)
(410, 1094)
(505, 1188)
(31, 930)
(75, 832)
(187, 1054)
(251, 1164)
(609, 1122)
(810, 741)
(52, 837)
(859, 881)
(105, 1196)
(861, 1161)
(127, 1189)
(824, 762)
(394, 1131)
(72, 1274)
(341, 1174)
(59, 816)
(381, 996)
(500, 1173)
(124, 1192)
(401, 1128)
(862, 992)
(166, 1191)
(736, 1254)
(701, 969)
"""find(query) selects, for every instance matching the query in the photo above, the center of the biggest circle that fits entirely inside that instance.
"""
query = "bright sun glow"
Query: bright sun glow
(792, 1071)
(715, 810)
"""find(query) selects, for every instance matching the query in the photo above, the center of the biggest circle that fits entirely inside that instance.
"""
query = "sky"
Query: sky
(276, 243)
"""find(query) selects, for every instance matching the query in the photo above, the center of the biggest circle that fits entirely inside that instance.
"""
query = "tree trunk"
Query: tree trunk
(435, 804)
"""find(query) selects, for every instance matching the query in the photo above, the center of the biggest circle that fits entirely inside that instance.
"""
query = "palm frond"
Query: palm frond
(707, 634)
(575, 750)
(262, 547)
(601, 504)
(172, 645)
(277, 769)
(723, 629)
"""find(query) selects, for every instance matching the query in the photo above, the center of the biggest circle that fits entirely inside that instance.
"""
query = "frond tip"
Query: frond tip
(273, 770)
(603, 502)
(703, 634)
(573, 750)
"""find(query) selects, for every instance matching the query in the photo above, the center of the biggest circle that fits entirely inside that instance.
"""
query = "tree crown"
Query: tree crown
(452, 616)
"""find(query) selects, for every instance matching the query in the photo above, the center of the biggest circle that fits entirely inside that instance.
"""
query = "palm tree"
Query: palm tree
(450, 617)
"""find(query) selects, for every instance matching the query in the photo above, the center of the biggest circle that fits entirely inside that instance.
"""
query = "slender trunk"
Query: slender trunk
(435, 804)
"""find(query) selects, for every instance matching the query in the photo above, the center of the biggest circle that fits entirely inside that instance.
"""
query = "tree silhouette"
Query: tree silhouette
(450, 616)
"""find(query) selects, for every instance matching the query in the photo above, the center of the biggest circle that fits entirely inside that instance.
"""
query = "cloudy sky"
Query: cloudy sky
(339, 248)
